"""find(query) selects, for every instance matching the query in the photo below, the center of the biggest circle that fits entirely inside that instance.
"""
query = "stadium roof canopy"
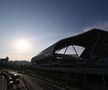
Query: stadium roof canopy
(94, 41)
(88, 38)
(84, 39)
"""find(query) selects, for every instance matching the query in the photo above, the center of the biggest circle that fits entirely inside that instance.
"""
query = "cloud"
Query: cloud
(103, 26)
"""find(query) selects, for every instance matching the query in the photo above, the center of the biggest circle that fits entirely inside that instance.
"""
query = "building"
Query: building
(95, 50)
(4, 62)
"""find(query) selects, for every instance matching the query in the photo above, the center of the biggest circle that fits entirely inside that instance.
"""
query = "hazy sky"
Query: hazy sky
(41, 23)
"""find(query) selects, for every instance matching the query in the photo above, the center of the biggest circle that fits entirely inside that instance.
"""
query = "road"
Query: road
(28, 82)
(38, 84)
(4, 85)
(34, 83)
(25, 83)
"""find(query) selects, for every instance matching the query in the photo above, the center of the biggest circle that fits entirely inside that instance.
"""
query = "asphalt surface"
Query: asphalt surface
(4, 85)
(33, 83)
(27, 82)
(39, 84)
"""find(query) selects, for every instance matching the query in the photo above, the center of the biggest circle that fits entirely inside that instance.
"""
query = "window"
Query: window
(71, 50)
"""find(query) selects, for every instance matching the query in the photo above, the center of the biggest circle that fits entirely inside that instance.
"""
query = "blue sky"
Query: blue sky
(43, 22)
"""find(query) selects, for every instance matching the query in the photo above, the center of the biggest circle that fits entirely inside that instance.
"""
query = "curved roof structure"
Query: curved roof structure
(93, 40)
(83, 39)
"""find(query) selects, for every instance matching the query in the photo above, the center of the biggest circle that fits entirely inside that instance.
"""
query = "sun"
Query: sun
(21, 45)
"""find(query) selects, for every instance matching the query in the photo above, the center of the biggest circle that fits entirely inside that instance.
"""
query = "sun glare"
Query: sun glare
(22, 45)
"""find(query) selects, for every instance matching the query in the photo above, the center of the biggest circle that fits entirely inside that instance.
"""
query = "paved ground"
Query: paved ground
(32, 83)
(38, 84)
